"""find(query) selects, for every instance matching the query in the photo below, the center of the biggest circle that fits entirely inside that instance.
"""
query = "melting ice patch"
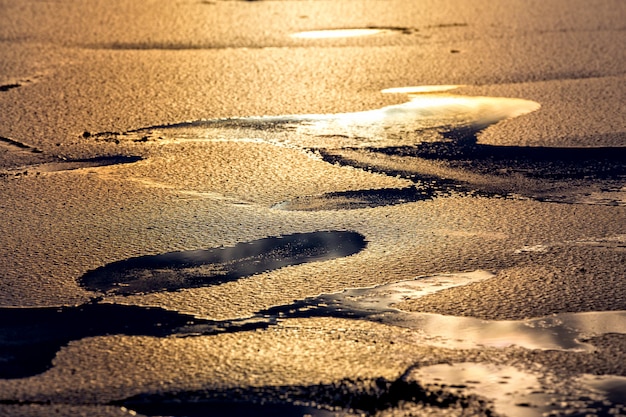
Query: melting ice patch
(565, 331)
(561, 331)
(429, 113)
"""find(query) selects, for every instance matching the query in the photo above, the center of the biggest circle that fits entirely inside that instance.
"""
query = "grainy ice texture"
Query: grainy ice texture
(312, 207)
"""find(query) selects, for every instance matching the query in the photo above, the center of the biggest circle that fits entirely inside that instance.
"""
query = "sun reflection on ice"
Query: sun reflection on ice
(338, 33)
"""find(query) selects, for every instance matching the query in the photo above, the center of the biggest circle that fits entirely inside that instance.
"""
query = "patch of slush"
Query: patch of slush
(517, 393)
(514, 393)
(609, 197)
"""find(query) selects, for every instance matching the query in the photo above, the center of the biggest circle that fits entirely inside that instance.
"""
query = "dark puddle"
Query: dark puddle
(197, 268)
(533, 162)
(30, 337)
(564, 175)
(359, 397)
(426, 187)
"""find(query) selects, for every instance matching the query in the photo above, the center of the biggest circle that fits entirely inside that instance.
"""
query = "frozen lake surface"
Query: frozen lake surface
(312, 208)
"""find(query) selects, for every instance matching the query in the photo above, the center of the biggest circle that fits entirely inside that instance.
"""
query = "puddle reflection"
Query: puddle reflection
(30, 337)
(428, 114)
(561, 332)
(515, 393)
(464, 388)
(518, 393)
(434, 125)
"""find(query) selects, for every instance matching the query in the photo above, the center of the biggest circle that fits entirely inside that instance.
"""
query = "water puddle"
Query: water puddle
(433, 137)
(434, 126)
(197, 268)
(430, 113)
(30, 337)
(592, 176)
(564, 331)
(514, 393)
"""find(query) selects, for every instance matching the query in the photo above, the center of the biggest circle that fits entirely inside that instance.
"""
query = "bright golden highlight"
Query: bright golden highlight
(422, 89)
(337, 33)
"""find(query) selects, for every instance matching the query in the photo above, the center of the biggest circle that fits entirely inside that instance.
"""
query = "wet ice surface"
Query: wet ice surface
(510, 390)
(31, 338)
(517, 393)
(431, 140)
(561, 332)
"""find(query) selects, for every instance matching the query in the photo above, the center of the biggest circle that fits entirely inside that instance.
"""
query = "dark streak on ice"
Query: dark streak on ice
(344, 200)
(19, 144)
(360, 396)
(197, 268)
(534, 162)
(7, 87)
